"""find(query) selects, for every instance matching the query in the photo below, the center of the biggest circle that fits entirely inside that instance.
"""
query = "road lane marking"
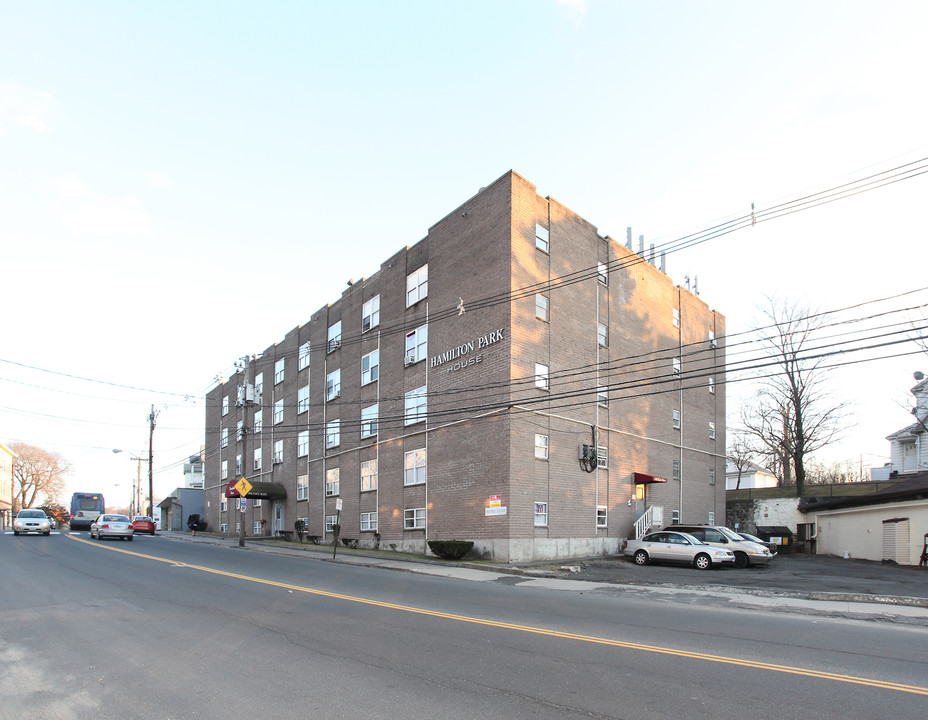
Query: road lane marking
(656, 649)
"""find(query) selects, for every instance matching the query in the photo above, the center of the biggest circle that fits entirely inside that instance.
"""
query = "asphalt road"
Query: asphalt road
(163, 629)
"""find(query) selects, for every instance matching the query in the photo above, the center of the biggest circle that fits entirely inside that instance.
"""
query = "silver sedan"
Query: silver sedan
(31, 521)
(111, 526)
(676, 547)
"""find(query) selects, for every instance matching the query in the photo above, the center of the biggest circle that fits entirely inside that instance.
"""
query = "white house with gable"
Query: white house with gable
(909, 446)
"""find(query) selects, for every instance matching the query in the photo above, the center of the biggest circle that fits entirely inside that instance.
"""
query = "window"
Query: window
(602, 397)
(238, 465)
(602, 457)
(414, 519)
(370, 314)
(331, 482)
(712, 431)
(602, 272)
(541, 376)
(223, 503)
(303, 362)
(602, 334)
(370, 367)
(541, 446)
(676, 419)
(302, 399)
(256, 465)
(369, 521)
(415, 406)
(223, 527)
(541, 514)
(417, 285)
(675, 517)
(712, 340)
(541, 238)
(712, 476)
(601, 517)
(279, 371)
(330, 521)
(333, 385)
(259, 386)
(417, 343)
(238, 430)
(256, 503)
(369, 420)
(711, 518)
(335, 337)
(541, 307)
(225, 405)
(302, 487)
(676, 318)
(224, 442)
(368, 475)
(676, 366)
(278, 452)
(278, 411)
(259, 420)
(676, 470)
(332, 433)
(414, 467)
(712, 386)
(256, 528)
(225, 470)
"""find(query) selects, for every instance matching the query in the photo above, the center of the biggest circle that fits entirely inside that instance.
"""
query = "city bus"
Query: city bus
(85, 507)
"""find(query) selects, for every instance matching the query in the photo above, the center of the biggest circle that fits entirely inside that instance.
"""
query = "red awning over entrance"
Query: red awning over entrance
(643, 478)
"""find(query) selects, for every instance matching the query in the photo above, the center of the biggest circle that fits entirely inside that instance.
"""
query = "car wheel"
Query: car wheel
(703, 561)
(741, 560)
(129, 538)
(16, 532)
(641, 557)
(47, 532)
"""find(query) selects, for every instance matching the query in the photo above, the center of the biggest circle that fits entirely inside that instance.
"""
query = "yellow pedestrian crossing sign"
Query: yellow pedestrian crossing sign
(244, 487)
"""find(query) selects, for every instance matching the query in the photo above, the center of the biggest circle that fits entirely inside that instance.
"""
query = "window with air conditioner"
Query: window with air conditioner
(335, 337)
(333, 385)
(416, 345)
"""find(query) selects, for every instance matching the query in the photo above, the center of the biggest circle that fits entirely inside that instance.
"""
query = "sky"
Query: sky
(182, 183)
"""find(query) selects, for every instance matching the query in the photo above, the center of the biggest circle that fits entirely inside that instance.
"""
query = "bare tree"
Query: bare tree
(37, 475)
(793, 415)
(740, 454)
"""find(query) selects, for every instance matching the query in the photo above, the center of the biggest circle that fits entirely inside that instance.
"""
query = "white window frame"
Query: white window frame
(417, 343)
(368, 475)
(414, 519)
(712, 476)
(676, 318)
(602, 271)
(238, 464)
(333, 385)
(225, 405)
(541, 446)
(238, 430)
(675, 366)
(369, 417)
(542, 238)
(334, 337)
(541, 514)
(602, 396)
(602, 457)
(712, 431)
(223, 527)
(258, 459)
(256, 527)
(676, 419)
(602, 516)
(224, 438)
(415, 467)
(224, 470)
(330, 521)
(711, 385)
(278, 452)
(602, 334)
(416, 406)
(279, 368)
(332, 482)
(370, 367)
(223, 503)
(369, 521)
(259, 386)
(303, 362)
(417, 285)
(542, 379)
(333, 432)
(278, 411)
(302, 399)
(302, 487)
(675, 472)
(541, 307)
(259, 420)
(370, 314)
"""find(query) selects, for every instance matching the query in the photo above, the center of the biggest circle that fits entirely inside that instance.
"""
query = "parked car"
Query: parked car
(111, 526)
(142, 524)
(745, 552)
(676, 547)
(31, 521)
(772, 547)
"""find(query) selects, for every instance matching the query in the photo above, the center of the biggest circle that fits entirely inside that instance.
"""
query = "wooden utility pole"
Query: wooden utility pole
(151, 436)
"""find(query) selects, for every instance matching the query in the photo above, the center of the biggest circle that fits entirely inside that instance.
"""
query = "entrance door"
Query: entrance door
(277, 523)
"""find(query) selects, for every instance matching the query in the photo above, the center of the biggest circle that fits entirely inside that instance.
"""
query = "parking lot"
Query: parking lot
(787, 574)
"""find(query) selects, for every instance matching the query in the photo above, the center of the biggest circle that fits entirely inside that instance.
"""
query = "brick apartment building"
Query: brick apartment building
(514, 378)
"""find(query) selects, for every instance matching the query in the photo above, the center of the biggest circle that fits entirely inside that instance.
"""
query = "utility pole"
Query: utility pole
(248, 398)
(151, 436)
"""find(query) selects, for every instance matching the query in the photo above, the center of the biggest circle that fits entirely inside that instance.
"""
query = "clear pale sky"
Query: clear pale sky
(181, 183)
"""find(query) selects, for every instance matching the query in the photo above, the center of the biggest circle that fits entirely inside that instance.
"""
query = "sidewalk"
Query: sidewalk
(799, 583)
